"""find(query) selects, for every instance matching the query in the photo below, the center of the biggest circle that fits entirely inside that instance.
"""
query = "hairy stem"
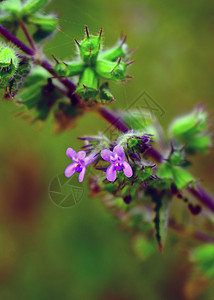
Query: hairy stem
(197, 191)
(11, 38)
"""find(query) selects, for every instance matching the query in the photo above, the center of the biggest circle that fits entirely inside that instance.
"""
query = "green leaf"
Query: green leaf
(11, 6)
(161, 210)
(32, 6)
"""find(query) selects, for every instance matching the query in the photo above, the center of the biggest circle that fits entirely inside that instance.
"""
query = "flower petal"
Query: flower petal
(81, 155)
(70, 170)
(106, 154)
(111, 173)
(82, 174)
(127, 169)
(120, 152)
(71, 153)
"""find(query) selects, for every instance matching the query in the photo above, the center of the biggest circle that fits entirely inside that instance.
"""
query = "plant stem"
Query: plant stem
(30, 40)
(44, 63)
(197, 191)
(11, 38)
(202, 196)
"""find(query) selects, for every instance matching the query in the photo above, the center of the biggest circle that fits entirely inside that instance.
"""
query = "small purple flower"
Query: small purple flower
(80, 163)
(118, 163)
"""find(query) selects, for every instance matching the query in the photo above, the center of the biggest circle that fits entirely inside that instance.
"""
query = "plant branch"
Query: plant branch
(198, 192)
(30, 40)
(14, 40)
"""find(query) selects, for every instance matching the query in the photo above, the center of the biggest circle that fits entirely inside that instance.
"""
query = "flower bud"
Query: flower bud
(111, 70)
(88, 84)
(8, 64)
(89, 48)
(189, 125)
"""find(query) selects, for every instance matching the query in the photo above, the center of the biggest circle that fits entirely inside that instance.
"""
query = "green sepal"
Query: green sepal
(89, 49)
(145, 173)
(114, 53)
(176, 157)
(181, 177)
(105, 96)
(199, 143)
(111, 70)
(32, 6)
(69, 69)
(165, 171)
(88, 84)
(189, 125)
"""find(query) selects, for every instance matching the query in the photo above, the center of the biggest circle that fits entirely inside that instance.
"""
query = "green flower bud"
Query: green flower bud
(89, 48)
(176, 158)
(199, 143)
(114, 53)
(104, 95)
(111, 70)
(8, 64)
(69, 69)
(88, 84)
(188, 125)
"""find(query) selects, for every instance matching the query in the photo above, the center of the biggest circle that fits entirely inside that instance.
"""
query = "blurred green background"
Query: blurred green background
(47, 252)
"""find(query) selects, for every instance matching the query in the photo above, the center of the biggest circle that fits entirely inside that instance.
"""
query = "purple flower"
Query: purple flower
(118, 163)
(80, 163)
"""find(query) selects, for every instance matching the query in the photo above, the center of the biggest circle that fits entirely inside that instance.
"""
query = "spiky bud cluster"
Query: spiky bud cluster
(8, 64)
(94, 64)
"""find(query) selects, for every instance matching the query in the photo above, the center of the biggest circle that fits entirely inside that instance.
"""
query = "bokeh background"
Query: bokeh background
(47, 252)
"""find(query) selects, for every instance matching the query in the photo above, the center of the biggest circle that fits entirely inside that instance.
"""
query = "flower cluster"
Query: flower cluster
(115, 157)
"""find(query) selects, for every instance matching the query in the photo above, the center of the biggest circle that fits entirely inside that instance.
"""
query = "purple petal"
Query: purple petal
(127, 169)
(71, 153)
(106, 154)
(119, 151)
(90, 158)
(82, 174)
(81, 155)
(111, 173)
(70, 170)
